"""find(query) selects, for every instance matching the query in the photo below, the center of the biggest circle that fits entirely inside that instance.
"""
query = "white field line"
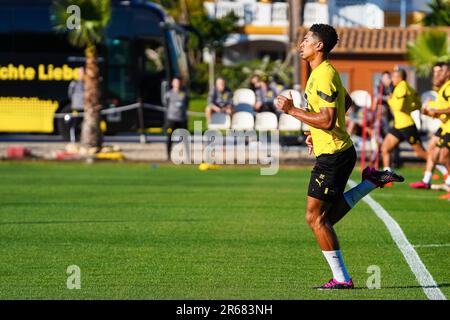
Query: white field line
(423, 276)
(437, 245)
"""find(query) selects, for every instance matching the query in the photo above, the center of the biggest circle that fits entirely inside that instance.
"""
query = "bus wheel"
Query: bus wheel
(64, 127)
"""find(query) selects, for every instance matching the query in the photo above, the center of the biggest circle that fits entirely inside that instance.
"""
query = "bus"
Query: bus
(142, 50)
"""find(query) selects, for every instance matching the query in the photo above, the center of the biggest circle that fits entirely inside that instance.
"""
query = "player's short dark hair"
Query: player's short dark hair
(327, 34)
(442, 64)
(385, 72)
(402, 73)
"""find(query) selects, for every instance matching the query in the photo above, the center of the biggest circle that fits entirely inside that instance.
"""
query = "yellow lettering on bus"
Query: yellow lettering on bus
(41, 73)
(30, 73)
(57, 74)
(13, 72)
(4, 73)
(67, 72)
(50, 72)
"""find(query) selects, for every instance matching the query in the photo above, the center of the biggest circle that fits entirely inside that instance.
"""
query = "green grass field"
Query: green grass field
(167, 232)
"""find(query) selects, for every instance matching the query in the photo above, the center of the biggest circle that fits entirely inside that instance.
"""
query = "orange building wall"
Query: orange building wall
(360, 71)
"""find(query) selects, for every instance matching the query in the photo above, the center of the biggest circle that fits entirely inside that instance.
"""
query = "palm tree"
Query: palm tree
(439, 15)
(94, 17)
(430, 47)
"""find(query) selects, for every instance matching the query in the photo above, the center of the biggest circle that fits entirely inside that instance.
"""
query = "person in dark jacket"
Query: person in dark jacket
(177, 101)
(76, 91)
(220, 99)
(265, 96)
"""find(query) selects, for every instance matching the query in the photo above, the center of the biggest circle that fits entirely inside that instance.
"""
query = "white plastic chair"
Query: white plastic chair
(266, 121)
(296, 96)
(242, 120)
(361, 98)
(244, 100)
(289, 123)
(219, 121)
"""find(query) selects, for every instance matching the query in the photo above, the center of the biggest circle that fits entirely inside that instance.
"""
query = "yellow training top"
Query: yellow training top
(324, 90)
(443, 102)
(403, 101)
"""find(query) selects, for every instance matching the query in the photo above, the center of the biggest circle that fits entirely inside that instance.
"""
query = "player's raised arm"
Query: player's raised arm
(325, 119)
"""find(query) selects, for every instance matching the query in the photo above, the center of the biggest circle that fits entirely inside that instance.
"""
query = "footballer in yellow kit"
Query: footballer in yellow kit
(327, 103)
(441, 109)
(443, 103)
(402, 102)
(437, 154)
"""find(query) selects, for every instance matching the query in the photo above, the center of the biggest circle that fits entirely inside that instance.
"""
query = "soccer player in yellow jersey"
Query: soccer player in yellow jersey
(327, 103)
(436, 155)
(441, 110)
(403, 101)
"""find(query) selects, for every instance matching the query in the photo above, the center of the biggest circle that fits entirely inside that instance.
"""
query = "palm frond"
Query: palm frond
(94, 17)
(430, 47)
(439, 14)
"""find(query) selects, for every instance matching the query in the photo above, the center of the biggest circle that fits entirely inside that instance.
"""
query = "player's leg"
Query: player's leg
(412, 136)
(440, 142)
(389, 143)
(319, 224)
(328, 242)
(322, 192)
(168, 129)
(419, 150)
(371, 179)
(428, 174)
(343, 170)
(210, 109)
(444, 158)
(208, 113)
(228, 110)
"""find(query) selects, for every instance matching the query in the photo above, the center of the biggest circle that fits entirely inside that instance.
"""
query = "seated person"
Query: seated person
(220, 99)
(264, 99)
(254, 83)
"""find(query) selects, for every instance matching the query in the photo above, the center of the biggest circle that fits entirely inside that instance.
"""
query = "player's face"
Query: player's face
(176, 83)
(220, 85)
(436, 76)
(386, 79)
(396, 78)
(308, 47)
(440, 76)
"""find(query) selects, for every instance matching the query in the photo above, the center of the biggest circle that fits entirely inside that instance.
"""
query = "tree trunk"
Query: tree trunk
(91, 135)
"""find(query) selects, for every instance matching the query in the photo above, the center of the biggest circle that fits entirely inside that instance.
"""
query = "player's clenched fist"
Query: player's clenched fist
(285, 104)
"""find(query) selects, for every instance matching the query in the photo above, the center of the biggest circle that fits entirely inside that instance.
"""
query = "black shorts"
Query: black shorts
(438, 133)
(444, 141)
(409, 134)
(330, 175)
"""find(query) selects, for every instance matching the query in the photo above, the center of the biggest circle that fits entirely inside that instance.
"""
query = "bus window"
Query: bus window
(153, 66)
(120, 81)
(154, 62)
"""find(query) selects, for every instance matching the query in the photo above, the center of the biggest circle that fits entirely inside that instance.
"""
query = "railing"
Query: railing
(251, 13)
